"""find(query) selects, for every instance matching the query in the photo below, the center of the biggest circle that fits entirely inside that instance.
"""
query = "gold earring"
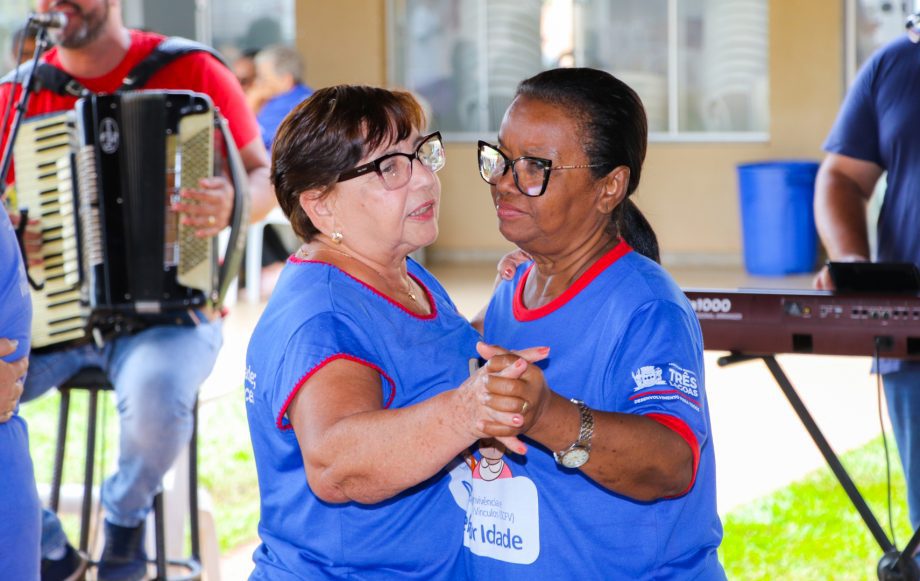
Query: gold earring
(337, 237)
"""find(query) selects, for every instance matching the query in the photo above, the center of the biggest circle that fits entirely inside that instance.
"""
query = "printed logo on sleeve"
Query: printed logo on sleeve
(647, 376)
(683, 379)
(671, 382)
(249, 385)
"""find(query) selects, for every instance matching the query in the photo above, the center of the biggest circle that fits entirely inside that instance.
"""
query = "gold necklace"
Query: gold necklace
(408, 291)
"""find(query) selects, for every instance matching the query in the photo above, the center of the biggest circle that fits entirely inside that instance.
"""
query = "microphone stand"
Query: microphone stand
(41, 45)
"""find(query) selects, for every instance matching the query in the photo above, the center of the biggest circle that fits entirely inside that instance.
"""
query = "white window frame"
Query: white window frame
(672, 135)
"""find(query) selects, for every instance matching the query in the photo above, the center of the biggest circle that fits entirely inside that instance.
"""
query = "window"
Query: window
(248, 25)
(231, 26)
(869, 25)
(228, 25)
(13, 15)
(700, 66)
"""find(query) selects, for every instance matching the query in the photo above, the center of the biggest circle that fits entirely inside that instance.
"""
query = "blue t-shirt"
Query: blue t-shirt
(318, 313)
(276, 109)
(878, 123)
(20, 511)
(622, 339)
(15, 301)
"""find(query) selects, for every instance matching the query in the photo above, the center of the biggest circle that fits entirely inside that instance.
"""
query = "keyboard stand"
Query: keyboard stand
(894, 565)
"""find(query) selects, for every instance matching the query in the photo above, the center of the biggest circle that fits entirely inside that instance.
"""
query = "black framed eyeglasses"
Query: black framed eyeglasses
(531, 174)
(395, 169)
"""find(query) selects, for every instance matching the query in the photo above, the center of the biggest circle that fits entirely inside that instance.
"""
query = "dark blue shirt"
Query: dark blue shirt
(879, 122)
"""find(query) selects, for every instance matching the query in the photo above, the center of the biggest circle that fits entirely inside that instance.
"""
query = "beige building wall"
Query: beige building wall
(688, 190)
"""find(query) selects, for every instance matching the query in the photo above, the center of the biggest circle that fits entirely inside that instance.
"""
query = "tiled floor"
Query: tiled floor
(760, 444)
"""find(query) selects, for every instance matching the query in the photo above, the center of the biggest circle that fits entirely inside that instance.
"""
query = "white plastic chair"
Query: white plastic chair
(254, 253)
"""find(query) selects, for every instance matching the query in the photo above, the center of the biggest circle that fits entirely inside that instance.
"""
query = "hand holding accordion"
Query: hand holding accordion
(103, 180)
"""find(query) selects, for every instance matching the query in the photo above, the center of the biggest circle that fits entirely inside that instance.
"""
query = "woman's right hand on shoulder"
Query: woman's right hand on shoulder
(509, 263)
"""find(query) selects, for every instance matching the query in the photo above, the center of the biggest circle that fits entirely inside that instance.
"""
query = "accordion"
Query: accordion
(101, 180)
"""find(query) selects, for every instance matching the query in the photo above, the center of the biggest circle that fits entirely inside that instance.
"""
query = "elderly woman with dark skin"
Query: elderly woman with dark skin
(358, 385)
(619, 482)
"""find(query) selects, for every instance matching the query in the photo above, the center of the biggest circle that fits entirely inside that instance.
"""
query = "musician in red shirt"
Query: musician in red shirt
(157, 372)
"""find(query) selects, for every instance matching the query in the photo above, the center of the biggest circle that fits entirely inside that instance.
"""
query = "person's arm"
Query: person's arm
(11, 375)
(355, 450)
(843, 187)
(631, 454)
(261, 193)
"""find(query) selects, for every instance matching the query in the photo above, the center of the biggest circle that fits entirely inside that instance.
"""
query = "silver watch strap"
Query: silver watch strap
(586, 431)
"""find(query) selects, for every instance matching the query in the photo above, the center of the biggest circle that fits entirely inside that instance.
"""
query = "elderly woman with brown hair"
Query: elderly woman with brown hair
(619, 482)
(357, 381)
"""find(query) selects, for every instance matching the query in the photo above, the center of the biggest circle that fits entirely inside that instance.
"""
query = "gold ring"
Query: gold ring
(525, 406)
(211, 220)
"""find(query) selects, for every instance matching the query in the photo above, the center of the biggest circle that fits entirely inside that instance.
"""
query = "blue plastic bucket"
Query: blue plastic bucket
(777, 217)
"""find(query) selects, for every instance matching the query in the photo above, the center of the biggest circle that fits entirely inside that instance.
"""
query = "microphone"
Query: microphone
(48, 19)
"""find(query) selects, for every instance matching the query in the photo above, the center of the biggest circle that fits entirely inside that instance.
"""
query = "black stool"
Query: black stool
(95, 380)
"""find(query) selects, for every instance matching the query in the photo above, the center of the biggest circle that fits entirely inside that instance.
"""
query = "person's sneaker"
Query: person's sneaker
(124, 557)
(71, 567)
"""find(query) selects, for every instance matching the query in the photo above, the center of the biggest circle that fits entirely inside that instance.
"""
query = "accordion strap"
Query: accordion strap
(21, 238)
(238, 219)
(46, 77)
(51, 78)
(165, 52)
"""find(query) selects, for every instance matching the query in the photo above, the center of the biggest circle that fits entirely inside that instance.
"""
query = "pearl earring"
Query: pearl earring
(337, 237)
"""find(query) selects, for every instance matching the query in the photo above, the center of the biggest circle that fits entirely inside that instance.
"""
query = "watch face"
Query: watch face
(575, 458)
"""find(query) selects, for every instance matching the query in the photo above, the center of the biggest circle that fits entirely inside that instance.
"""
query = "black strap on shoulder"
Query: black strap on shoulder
(53, 79)
(46, 77)
(165, 52)
(17, 74)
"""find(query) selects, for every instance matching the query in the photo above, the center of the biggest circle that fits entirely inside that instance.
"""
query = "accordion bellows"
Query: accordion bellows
(101, 180)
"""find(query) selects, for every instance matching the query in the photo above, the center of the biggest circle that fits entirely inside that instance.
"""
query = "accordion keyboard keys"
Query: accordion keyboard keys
(44, 185)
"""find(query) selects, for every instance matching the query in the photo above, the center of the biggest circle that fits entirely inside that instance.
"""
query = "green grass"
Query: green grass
(226, 465)
(808, 530)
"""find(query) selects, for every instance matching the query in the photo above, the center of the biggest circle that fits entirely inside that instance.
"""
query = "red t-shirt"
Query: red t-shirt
(198, 72)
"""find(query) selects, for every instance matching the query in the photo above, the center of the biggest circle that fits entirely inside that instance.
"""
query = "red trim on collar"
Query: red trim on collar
(282, 425)
(434, 307)
(523, 314)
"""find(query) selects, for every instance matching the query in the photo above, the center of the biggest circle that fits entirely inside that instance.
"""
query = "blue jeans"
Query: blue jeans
(156, 375)
(902, 390)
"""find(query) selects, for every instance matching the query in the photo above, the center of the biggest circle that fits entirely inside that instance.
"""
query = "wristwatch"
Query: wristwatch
(576, 455)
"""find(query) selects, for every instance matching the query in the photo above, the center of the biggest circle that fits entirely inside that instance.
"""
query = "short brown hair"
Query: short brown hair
(328, 134)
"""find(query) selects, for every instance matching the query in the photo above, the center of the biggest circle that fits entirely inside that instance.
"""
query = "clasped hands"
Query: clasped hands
(507, 395)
